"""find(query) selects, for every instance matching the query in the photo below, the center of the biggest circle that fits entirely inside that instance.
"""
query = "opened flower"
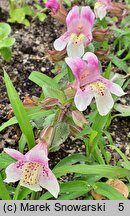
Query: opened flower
(32, 170)
(101, 7)
(79, 31)
(91, 84)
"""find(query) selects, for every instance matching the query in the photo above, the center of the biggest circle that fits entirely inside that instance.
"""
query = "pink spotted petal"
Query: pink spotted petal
(72, 19)
(37, 154)
(77, 66)
(13, 173)
(87, 17)
(83, 98)
(50, 183)
(15, 154)
(92, 63)
(104, 103)
(61, 42)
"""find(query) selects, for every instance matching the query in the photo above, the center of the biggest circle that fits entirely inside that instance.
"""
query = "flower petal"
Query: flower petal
(13, 173)
(92, 63)
(37, 154)
(15, 154)
(104, 102)
(100, 11)
(50, 183)
(83, 98)
(75, 49)
(72, 19)
(77, 66)
(87, 16)
(61, 42)
(116, 89)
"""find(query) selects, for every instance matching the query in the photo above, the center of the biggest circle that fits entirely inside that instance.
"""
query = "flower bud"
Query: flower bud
(102, 54)
(55, 56)
(100, 35)
(79, 118)
(57, 10)
(49, 103)
(46, 135)
(119, 10)
(69, 91)
(75, 130)
(28, 102)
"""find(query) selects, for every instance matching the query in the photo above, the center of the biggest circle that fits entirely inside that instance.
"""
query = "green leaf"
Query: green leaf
(22, 143)
(7, 42)
(5, 160)
(50, 91)
(108, 191)
(19, 111)
(5, 30)
(68, 2)
(33, 113)
(42, 79)
(61, 133)
(72, 159)
(123, 109)
(4, 195)
(6, 53)
(102, 170)
(119, 63)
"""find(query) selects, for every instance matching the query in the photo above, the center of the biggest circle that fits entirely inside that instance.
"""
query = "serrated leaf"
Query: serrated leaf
(61, 133)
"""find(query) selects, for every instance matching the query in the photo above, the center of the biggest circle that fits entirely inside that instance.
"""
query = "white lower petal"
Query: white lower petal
(13, 173)
(117, 90)
(75, 49)
(104, 103)
(50, 183)
(83, 99)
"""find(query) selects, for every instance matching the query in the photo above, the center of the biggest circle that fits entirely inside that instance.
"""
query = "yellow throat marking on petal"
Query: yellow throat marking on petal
(30, 173)
(77, 39)
(98, 87)
(97, 5)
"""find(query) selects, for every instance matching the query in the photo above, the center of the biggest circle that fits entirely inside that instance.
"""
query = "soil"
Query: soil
(29, 54)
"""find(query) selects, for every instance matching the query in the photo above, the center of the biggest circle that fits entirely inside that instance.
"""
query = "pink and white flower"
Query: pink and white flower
(101, 7)
(91, 84)
(53, 5)
(80, 22)
(32, 170)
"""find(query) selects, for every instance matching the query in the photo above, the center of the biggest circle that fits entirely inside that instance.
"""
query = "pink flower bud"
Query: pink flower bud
(100, 34)
(53, 5)
(46, 135)
(49, 103)
(57, 10)
(55, 56)
(78, 118)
